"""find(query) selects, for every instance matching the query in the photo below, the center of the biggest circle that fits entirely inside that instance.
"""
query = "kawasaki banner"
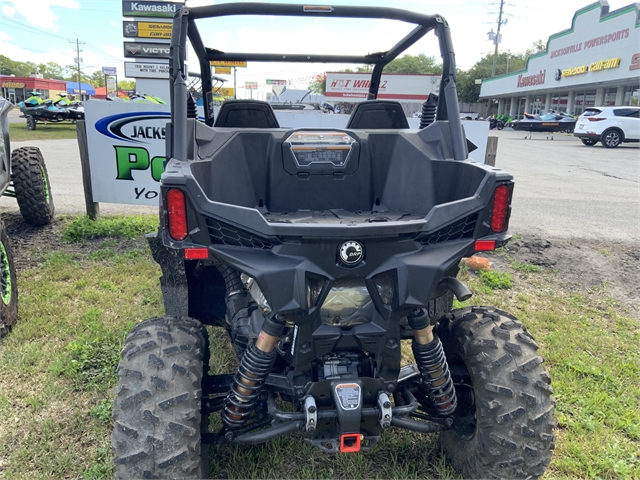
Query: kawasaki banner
(150, 9)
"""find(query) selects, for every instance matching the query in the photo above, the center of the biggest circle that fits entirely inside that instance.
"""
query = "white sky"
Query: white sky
(40, 31)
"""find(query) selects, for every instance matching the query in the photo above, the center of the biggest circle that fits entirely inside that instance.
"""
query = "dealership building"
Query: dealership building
(596, 62)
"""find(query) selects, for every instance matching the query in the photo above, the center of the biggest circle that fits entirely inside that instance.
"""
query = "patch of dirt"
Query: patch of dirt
(31, 245)
(582, 265)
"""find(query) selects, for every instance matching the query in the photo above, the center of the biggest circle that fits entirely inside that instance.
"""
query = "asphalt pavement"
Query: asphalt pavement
(563, 188)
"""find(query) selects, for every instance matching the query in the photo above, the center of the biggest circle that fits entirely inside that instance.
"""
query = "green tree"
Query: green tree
(128, 85)
(97, 79)
(469, 90)
(319, 84)
(420, 63)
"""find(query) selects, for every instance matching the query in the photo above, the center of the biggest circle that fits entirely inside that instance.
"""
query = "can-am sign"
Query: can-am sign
(146, 50)
(150, 9)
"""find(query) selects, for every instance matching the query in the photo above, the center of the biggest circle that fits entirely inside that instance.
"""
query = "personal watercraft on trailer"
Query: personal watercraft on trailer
(34, 109)
(550, 123)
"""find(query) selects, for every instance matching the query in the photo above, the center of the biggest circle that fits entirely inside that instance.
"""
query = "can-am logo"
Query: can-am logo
(155, 50)
(141, 127)
(351, 252)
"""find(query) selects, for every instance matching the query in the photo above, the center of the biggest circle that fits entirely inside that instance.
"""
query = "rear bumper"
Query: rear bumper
(587, 135)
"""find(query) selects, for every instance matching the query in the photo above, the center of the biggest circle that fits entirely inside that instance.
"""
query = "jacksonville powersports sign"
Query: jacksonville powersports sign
(150, 9)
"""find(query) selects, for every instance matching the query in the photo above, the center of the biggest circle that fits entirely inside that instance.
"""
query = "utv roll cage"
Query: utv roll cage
(184, 26)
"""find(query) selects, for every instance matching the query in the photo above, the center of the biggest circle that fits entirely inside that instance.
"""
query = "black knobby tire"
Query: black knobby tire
(8, 285)
(31, 123)
(32, 187)
(611, 138)
(504, 425)
(156, 413)
(589, 142)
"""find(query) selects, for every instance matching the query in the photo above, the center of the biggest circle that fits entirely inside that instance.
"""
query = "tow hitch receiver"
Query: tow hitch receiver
(350, 442)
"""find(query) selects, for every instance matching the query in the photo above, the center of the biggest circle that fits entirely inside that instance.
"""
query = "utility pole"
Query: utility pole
(496, 40)
(78, 43)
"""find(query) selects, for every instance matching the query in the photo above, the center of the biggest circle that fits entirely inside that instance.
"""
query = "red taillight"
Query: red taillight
(595, 119)
(177, 211)
(196, 253)
(500, 209)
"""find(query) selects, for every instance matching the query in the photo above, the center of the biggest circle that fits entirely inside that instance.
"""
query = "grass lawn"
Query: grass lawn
(57, 370)
(19, 132)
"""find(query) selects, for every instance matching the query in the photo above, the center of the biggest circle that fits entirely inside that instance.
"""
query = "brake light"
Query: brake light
(177, 214)
(595, 119)
(500, 209)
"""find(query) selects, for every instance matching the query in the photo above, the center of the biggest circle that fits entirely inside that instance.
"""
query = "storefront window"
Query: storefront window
(537, 106)
(583, 100)
(631, 96)
(609, 97)
(561, 105)
(521, 103)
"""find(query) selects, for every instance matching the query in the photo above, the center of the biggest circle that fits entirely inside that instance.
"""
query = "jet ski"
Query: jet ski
(550, 122)
(34, 109)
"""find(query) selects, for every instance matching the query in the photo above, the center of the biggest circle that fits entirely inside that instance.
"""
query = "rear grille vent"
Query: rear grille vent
(222, 233)
(461, 229)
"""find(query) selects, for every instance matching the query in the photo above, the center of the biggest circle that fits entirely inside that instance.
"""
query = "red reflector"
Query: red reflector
(196, 253)
(177, 211)
(483, 245)
(500, 209)
(595, 119)
(350, 442)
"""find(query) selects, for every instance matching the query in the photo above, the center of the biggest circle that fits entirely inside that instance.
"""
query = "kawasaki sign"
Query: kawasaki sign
(146, 50)
(150, 9)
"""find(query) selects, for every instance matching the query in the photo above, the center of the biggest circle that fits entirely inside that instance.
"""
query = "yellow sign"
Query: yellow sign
(567, 72)
(604, 64)
(223, 70)
(12, 85)
(147, 29)
(228, 64)
(225, 92)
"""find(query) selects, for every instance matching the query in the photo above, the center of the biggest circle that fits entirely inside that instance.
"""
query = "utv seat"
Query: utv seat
(246, 114)
(375, 114)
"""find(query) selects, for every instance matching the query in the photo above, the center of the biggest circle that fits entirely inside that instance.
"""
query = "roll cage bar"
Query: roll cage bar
(184, 26)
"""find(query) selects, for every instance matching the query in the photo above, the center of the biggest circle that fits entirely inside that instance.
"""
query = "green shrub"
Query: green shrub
(495, 280)
(83, 228)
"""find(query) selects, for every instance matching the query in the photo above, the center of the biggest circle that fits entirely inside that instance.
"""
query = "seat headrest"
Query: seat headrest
(378, 114)
(246, 114)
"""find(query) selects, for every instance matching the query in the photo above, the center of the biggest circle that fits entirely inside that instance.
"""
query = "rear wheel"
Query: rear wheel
(31, 123)
(504, 421)
(589, 142)
(156, 413)
(611, 138)
(31, 184)
(8, 285)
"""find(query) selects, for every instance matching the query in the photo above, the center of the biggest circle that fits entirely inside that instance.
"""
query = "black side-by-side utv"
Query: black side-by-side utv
(319, 251)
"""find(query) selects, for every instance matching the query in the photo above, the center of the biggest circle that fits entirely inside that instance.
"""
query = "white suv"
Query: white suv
(609, 125)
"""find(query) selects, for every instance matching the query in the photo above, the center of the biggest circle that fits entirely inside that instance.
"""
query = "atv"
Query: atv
(23, 175)
(319, 250)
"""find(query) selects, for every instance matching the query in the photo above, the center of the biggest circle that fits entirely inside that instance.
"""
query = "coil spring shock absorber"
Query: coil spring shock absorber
(255, 366)
(432, 364)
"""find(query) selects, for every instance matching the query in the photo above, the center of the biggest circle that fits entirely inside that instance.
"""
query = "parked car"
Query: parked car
(609, 125)
(469, 116)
